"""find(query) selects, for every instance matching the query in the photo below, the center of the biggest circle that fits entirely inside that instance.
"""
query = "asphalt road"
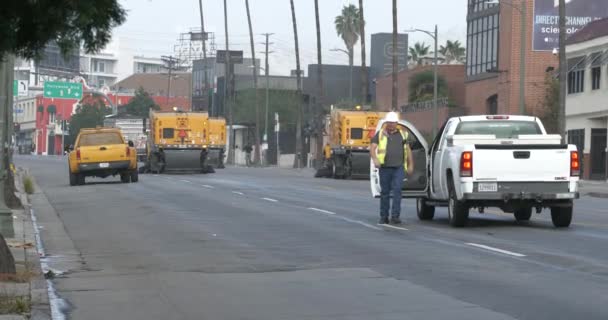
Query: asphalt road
(279, 244)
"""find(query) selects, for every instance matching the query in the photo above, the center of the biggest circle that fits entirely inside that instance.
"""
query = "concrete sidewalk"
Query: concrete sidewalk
(596, 189)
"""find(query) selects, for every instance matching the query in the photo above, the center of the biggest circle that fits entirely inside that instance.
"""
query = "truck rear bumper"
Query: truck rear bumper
(505, 191)
(505, 196)
(103, 166)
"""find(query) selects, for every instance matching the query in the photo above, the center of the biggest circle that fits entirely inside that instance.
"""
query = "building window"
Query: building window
(596, 77)
(99, 66)
(482, 43)
(576, 81)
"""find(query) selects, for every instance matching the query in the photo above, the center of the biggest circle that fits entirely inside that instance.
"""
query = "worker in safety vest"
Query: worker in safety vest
(393, 156)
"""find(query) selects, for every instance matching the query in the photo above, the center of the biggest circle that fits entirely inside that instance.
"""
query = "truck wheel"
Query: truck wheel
(134, 176)
(561, 216)
(125, 177)
(458, 212)
(73, 179)
(425, 212)
(523, 214)
(81, 179)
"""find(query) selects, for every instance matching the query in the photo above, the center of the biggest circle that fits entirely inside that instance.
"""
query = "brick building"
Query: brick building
(493, 60)
(454, 75)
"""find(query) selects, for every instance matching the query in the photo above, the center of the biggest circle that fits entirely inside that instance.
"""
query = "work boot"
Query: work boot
(395, 220)
(383, 220)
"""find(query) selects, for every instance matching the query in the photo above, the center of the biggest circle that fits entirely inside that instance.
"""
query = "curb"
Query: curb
(600, 195)
(40, 308)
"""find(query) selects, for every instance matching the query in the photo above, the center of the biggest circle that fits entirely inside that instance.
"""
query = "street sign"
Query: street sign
(236, 57)
(20, 88)
(62, 90)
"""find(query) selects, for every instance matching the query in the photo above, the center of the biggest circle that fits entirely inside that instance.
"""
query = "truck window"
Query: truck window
(501, 129)
(168, 133)
(356, 133)
(100, 139)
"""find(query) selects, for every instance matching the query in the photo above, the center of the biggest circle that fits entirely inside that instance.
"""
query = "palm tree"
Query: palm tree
(200, 6)
(364, 75)
(395, 61)
(227, 81)
(453, 52)
(321, 96)
(348, 27)
(419, 51)
(297, 162)
(256, 157)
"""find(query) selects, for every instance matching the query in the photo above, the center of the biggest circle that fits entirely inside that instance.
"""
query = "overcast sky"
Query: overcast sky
(153, 26)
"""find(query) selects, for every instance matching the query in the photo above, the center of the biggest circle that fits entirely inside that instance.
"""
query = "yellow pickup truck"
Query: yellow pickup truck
(102, 152)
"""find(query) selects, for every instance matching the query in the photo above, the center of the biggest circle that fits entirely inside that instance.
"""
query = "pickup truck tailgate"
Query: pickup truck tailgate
(109, 153)
(530, 163)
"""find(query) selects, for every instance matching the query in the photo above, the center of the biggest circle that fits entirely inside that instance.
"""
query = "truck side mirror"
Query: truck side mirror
(131, 144)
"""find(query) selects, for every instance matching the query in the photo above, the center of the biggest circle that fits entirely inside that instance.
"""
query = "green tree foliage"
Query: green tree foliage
(348, 27)
(27, 26)
(88, 116)
(419, 51)
(141, 104)
(282, 101)
(550, 105)
(422, 84)
(453, 51)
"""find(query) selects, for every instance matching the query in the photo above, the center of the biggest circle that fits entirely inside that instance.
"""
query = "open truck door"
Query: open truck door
(416, 184)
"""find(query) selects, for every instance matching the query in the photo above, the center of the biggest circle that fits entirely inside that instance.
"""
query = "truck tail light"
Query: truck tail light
(575, 164)
(78, 154)
(128, 152)
(466, 164)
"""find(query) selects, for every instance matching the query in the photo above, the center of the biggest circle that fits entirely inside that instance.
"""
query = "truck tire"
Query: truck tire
(73, 179)
(134, 176)
(424, 211)
(458, 211)
(125, 177)
(81, 179)
(561, 216)
(523, 214)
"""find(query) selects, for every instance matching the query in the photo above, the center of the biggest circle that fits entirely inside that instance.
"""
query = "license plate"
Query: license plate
(182, 146)
(488, 187)
(104, 165)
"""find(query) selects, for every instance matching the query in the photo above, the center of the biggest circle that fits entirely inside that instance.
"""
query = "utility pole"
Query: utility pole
(563, 71)
(171, 62)
(256, 157)
(267, 74)
(435, 86)
(204, 35)
(227, 75)
(6, 94)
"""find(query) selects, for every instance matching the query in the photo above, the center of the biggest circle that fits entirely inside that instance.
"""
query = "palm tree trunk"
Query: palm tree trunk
(364, 74)
(297, 163)
(321, 94)
(395, 61)
(351, 63)
(256, 156)
(227, 95)
(205, 92)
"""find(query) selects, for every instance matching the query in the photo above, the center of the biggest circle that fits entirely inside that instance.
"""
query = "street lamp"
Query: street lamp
(435, 37)
(351, 71)
(522, 9)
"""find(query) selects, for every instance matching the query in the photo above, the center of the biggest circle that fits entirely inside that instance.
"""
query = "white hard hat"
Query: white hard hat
(392, 117)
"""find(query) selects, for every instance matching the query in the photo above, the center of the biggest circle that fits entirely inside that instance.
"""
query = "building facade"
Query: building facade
(587, 98)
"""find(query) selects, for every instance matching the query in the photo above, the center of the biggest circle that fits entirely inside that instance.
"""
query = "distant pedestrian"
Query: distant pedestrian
(248, 149)
(392, 155)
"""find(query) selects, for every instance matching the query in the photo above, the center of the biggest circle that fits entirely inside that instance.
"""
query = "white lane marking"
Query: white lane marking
(481, 246)
(186, 181)
(207, 186)
(393, 227)
(239, 193)
(322, 211)
(367, 225)
(270, 199)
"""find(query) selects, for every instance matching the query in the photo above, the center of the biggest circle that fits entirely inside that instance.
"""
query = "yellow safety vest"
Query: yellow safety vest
(383, 142)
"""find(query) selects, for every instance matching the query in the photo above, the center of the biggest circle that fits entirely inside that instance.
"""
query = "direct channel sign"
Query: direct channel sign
(62, 90)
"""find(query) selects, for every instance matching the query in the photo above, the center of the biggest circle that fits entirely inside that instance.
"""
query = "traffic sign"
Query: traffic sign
(62, 90)
(20, 88)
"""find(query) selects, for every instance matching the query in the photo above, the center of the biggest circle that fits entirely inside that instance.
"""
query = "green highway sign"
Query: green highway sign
(15, 88)
(62, 90)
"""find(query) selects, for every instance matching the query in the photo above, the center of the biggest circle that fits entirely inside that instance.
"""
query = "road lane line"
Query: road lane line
(186, 181)
(367, 225)
(481, 246)
(271, 200)
(207, 186)
(393, 227)
(239, 193)
(322, 211)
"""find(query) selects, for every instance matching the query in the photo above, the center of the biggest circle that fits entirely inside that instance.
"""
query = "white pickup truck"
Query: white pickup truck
(509, 162)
